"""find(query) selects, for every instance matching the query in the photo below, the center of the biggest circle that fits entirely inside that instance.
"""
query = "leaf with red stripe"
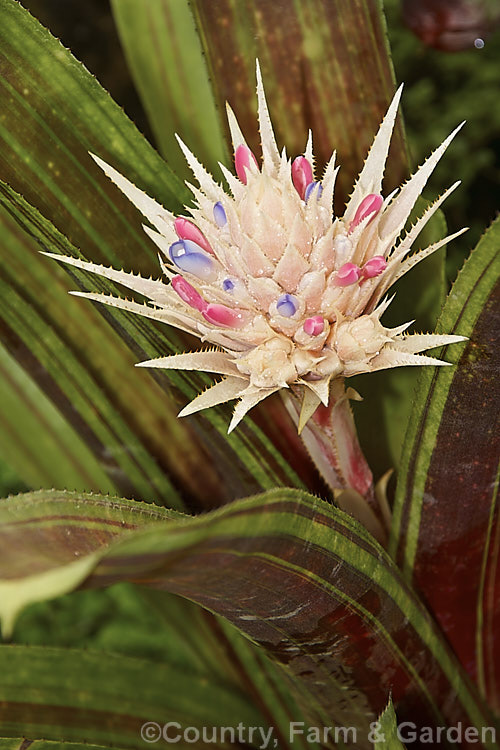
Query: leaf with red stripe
(325, 64)
(109, 700)
(446, 531)
(295, 575)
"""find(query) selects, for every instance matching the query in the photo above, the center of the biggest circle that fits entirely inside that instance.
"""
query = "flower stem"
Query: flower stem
(332, 442)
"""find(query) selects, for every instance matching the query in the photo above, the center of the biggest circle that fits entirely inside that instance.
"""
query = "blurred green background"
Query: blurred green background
(442, 89)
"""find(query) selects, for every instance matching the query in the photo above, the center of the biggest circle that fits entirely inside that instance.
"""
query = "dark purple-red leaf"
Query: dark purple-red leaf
(446, 531)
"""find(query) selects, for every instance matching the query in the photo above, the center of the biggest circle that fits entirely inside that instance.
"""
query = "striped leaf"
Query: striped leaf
(104, 699)
(53, 113)
(446, 528)
(326, 67)
(148, 624)
(28, 415)
(291, 572)
(166, 61)
(103, 429)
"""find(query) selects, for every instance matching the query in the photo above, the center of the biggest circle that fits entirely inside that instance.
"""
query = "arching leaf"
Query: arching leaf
(291, 572)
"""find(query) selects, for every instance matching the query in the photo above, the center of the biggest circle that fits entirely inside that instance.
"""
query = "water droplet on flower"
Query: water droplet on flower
(287, 305)
(220, 215)
(189, 257)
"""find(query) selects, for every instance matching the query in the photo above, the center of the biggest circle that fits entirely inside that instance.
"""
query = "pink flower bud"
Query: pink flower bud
(242, 158)
(374, 267)
(348, 274)
(188, 293)
(369, 205)
(220, 315)
(302, 175)
(314, 326)
(186, 230)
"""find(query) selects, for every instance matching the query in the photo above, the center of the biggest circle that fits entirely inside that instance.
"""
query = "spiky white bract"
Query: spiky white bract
(288, 294)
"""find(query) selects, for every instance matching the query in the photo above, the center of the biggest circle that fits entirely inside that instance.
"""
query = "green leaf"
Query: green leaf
(44, 578)
(29, 420)
(148, 624)
(54, 112)
(104, 433)
(294, 574)
(165, 57)
(84, 696)
(445, 531)
(388, 730)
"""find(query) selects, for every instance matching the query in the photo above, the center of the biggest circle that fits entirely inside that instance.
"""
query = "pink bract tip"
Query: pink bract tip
(348, 274)
(369, 205)
(374, 267)
(220, 315)
(315, 325)
(242, 158)
(188, 293)
(186, 230)
(302, 174)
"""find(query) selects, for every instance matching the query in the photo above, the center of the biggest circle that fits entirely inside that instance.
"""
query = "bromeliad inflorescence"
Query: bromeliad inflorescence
(287, 293)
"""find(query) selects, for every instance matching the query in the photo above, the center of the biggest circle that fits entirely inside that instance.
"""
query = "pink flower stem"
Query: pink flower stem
(331, 440)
